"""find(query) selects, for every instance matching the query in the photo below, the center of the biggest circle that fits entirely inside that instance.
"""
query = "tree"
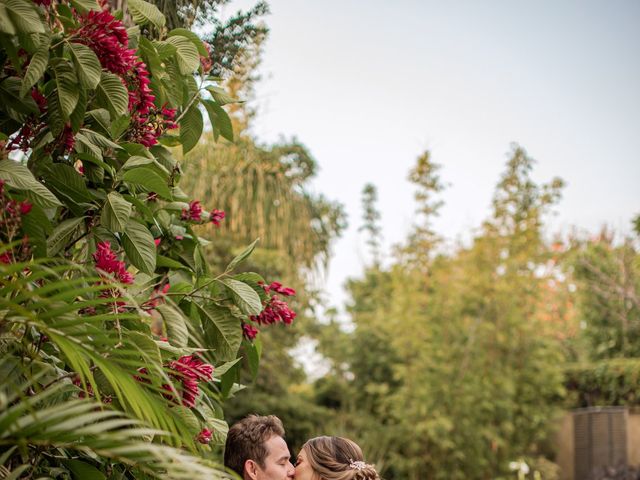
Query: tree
(371, 217)
(118, 343)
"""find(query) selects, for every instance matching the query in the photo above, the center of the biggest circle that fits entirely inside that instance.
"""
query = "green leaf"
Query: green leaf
(85, 5)
(113, 94)
(87, 65)
(223, 331)
(162, 261)
(67, 88)
(83, 471)
(177, 331)
(221, 96)
(67, 183)
(77, 117)
(150, 180)
(144, 12)
(186, 54)
(139, 246)
(220, 121)
(63, 234)
(244, 296)
(37, 65)
(11, 100)
(24, 17)
(183, 32)
(245, 253)
(38, 227)
(99, 139)
(101, 117)
(18, 176)
(253, 352)
(191, 126)
(116, 212)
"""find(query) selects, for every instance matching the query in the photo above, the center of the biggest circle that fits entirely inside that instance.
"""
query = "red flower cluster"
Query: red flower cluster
(275, 310)
(107, 261)
(189, 370)
(107, 37)
(193, 213)
(204, 436)
(11, 215)
(216, 217)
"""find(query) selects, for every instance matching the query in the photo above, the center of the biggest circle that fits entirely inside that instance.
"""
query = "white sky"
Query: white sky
(368, 85)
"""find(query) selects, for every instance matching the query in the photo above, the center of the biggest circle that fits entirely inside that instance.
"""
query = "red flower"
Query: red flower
(249, 331)
(278, 288)
(193, 213)
(5, 258)
(25, 207)
(275, 311)
(205, 436)
(216, 217)
(107, 261)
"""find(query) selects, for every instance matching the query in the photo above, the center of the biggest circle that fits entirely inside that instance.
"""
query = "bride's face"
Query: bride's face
(303, 469)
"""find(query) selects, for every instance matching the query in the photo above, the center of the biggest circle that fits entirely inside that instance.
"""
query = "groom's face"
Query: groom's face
(277, 465)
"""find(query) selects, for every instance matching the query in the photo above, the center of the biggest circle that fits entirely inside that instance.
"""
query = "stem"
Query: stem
(193, 99)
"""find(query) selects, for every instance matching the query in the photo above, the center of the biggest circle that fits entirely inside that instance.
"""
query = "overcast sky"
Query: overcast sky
(368, 85)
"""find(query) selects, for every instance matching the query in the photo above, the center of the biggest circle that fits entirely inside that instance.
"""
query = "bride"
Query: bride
(333, 458)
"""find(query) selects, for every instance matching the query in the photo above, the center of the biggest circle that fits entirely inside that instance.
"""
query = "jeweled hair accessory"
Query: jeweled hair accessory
(359, 465)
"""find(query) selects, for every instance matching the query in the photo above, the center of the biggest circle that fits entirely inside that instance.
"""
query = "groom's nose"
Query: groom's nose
(291, 470)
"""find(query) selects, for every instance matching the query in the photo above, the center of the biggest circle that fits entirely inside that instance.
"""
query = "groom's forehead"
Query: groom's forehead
(277, 447)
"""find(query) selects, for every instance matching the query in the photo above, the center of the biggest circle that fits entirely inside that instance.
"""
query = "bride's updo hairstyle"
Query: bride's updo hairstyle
(337, 458)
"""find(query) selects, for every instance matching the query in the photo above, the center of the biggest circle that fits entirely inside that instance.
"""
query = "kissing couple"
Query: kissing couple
(256, 450)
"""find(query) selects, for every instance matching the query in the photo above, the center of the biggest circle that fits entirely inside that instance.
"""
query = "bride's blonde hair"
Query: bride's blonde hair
(337, 458)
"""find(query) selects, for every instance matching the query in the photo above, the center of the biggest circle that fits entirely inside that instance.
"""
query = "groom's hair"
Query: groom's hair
(246, 441)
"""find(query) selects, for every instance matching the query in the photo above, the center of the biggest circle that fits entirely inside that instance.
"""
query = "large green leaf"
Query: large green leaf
(63, 234)
(223, 330)
(87, 65)
(244, 296)
(37, 65)
(112, 94)
(186, 54)
(148, 179)
(24, 17)
(144, 12)
(67, 88)
(220, 121)
(191, 126)
(68, 185)
(115, 213)
(18, 176)
(193, 37)
(139, 246)
(176, 324)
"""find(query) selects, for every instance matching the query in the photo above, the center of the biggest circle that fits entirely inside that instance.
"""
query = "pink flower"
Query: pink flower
(249, 331)
(205, 436)
(5, 258)
(157, 241)
(194, 212)
(216, 217)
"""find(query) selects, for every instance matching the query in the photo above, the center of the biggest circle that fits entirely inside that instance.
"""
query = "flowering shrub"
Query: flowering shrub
(111, 317)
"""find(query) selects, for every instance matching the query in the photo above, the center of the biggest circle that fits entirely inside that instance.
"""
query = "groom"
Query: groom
(256, 449)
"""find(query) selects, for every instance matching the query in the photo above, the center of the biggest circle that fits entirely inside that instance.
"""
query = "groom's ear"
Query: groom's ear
(251, 469)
